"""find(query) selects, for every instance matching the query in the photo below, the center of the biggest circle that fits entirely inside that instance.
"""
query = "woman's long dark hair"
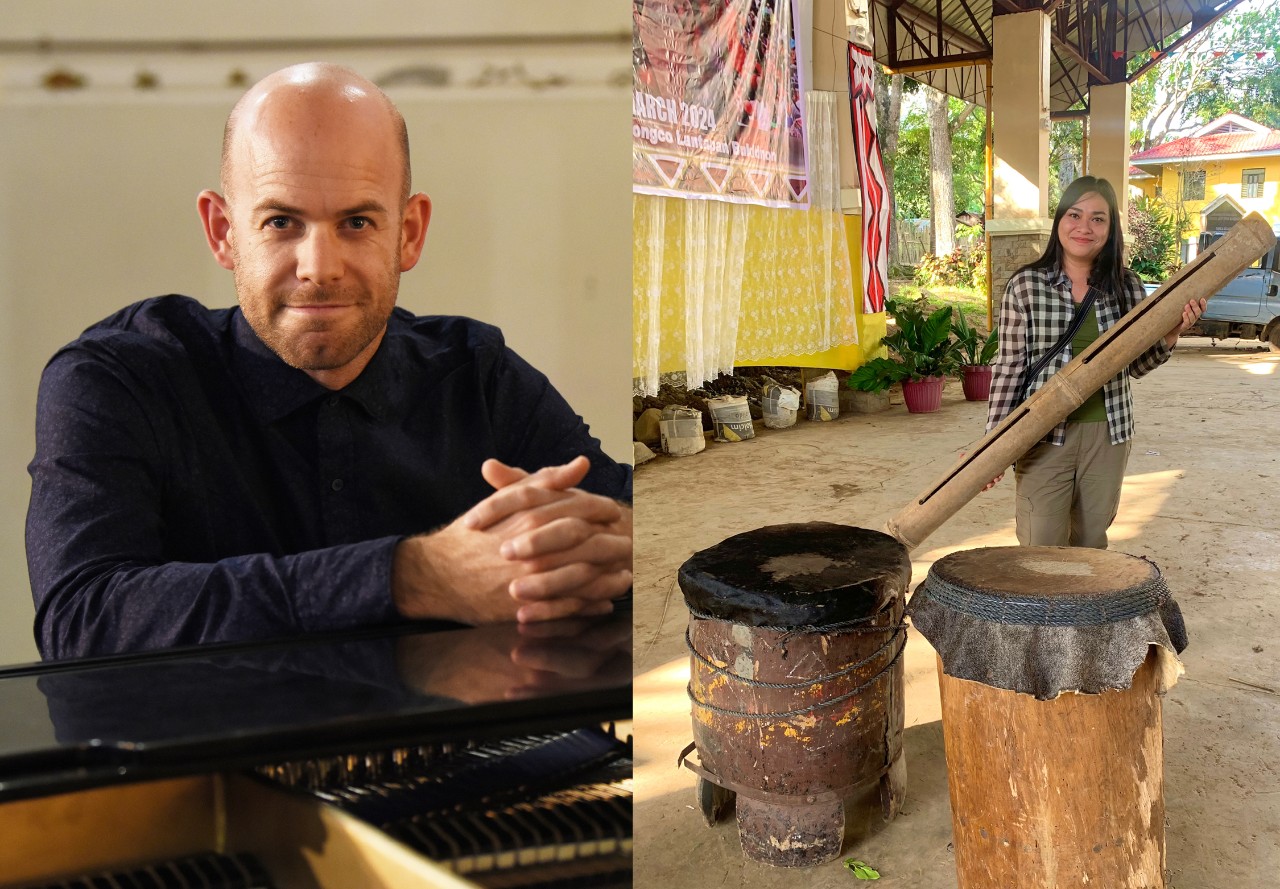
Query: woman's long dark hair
(1108, 271)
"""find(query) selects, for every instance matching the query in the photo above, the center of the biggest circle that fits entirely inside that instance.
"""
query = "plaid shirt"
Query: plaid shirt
(1035, 313)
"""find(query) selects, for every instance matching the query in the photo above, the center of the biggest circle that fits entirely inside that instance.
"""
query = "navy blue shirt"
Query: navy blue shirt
(190, 487)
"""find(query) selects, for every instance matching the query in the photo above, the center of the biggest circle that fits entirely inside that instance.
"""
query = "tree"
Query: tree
(911, 161)
(1244, 83)
(942, 202)
(1159, 98)
(888, 123)
(1215, 72)
(1154, 239)
(1065, 144)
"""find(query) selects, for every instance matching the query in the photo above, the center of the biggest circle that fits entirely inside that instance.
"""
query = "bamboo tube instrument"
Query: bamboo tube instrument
(1085, 374)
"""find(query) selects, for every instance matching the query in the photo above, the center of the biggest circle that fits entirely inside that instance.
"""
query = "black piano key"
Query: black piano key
(208, 871)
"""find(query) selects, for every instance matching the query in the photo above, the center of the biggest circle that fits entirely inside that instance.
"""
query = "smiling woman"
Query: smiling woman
(1068, 485)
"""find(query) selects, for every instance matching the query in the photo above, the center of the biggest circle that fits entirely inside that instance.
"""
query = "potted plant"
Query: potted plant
(923, 354)
(975, 356)
(870, 384)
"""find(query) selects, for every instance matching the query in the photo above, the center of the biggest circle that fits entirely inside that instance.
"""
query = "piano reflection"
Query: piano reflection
(418, 756)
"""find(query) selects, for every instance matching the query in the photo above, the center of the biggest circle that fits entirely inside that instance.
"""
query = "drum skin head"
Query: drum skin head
(813, 574)
(1043, 570)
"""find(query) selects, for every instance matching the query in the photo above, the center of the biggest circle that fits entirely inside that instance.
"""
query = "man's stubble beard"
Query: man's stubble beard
(288, 344)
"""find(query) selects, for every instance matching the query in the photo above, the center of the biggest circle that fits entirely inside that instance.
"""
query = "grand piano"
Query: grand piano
(423, 755)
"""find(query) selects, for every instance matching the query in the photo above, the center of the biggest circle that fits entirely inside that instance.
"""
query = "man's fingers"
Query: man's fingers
(580, 580)
(600, 555)
(568, 539)
(555, 609)
(499, 474)
(562, 477)
(540, 506)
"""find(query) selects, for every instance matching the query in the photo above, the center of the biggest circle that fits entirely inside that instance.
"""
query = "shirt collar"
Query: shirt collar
(274, 390)
(1058, 278)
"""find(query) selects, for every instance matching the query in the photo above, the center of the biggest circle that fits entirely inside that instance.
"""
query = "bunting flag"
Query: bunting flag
(875, 201)
(1234, 55)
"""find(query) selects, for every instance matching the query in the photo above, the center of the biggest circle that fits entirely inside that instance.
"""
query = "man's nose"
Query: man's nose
(320, 256)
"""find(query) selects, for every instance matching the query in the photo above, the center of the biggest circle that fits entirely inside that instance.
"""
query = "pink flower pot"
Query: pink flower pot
(976, 380)
(922, 396)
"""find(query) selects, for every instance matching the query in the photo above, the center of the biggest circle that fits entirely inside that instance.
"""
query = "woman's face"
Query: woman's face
(1083, 230)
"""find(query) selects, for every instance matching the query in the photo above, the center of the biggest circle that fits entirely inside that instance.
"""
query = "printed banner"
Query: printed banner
(716, 108)
(875, 202)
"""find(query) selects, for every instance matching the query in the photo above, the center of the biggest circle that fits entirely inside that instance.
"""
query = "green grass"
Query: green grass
(972, 302)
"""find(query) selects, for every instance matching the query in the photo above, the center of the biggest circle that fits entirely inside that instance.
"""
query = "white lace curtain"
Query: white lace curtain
(715, 283)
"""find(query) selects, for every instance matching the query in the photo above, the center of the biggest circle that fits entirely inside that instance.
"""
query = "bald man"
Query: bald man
(316, 458)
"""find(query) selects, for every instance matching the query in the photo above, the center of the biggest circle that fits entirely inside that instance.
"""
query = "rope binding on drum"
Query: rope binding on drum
(742, 714)
(1048, 611)
(760, 683)
(856, 625)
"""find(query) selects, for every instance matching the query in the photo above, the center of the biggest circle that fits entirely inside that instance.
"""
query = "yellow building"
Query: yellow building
(1222, 171)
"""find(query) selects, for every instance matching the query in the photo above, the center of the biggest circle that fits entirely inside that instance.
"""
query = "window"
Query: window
(1251, 185)
(1193, 185)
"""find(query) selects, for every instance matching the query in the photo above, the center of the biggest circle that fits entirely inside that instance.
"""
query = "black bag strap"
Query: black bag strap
(1068, 335)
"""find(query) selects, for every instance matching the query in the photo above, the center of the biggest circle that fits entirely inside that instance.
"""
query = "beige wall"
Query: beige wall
(1109, 139)
(531, 188)
(1020, 115)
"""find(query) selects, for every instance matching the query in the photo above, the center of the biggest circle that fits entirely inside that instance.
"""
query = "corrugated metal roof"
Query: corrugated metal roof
(1189, 147)
(1098, 38)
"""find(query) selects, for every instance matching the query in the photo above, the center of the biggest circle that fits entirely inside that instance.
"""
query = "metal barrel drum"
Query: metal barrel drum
(796, 634)
(1051, 662)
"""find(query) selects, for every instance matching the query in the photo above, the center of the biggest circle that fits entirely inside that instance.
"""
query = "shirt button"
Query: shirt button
(336, 484)
(332, 401)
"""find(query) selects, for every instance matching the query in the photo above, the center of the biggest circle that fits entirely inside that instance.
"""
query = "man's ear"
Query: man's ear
(413, 230)
(216, 219)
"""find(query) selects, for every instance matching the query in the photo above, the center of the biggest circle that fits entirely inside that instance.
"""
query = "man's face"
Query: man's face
(317, 238)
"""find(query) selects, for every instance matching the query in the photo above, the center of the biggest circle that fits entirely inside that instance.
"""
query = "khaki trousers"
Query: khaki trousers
(1068, 495)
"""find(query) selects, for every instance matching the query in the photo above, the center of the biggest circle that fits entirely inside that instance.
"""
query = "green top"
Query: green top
(1094, 409)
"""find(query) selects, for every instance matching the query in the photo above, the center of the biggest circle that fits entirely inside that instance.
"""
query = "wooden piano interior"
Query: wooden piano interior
(321, 801)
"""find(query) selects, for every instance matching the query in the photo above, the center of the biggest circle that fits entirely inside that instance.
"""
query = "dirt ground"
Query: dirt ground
(1201, 499)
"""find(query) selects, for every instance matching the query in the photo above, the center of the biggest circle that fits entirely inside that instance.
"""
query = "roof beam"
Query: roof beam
(959, 60)
(1079, 58)
(916, 16)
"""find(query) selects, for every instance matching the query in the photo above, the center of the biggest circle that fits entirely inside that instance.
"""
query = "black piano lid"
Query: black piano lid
(82, 723)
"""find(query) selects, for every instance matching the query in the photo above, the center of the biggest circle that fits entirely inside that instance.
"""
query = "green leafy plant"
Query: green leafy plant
(922, 344)
(876, 375)
(962, 267)
(1154, 238)
(861, 869)
(920, 347)
(971, 349)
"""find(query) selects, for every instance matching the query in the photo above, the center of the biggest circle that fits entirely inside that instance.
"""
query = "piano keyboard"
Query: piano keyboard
(552, 808)
(211, 871)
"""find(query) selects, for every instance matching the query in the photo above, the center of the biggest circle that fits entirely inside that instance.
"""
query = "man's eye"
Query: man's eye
(359, 222)
(277, 222)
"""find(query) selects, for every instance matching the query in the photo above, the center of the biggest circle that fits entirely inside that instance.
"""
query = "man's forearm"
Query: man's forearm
(85, 609)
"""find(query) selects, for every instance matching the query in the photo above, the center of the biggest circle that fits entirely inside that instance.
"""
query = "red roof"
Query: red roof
(1218, 143)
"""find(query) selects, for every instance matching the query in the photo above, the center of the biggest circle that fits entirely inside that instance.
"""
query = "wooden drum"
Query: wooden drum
(1051, 663)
